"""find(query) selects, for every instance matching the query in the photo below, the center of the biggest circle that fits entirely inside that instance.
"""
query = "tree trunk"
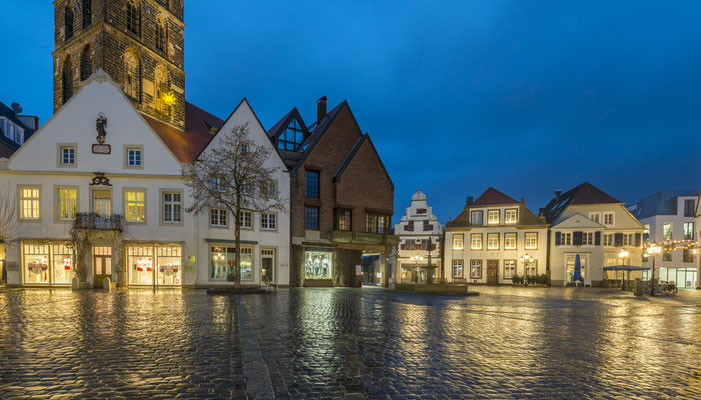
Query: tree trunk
(237, 237)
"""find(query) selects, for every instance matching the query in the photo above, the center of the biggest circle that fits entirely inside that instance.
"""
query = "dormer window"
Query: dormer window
(291, 138)
(476, 218)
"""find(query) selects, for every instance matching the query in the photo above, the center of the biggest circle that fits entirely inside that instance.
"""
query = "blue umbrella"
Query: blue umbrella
(577, 276)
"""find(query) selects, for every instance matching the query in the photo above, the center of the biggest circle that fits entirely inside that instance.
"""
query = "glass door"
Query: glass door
(102, 203)
(267, 269)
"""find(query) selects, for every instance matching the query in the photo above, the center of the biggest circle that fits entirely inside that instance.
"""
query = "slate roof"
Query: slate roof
(492, 197)
(200, 127)
(661, 203)
(10, 146)
(586, 193)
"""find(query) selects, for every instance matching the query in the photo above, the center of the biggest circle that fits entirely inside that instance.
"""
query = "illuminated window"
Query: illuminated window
(510, 216)
(343, 219)
(458, 270)
(318, 265)
(667, 230)
(135, 201)
(67, 204)
(217, 217)
(163, 97)
(458, 242)
(493, 241)
(509, 241)
(531, 240)
(509, 268)
(688, 230)
(30, 202)
(377, 223)
(102, 203)
(476, 269)
(493, 217)
(476, 241)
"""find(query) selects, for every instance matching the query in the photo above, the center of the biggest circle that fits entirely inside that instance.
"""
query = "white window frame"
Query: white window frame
(128, 148)
(60, 201)
(461, 264)
(265, 221)
(60, 161)
(134, 203)
(491, 236)
(512, 269)
(608, 239)
(35, 204)
(587, 238)
(473, 264)
(525, 239)
(595, 216)
(489, 217)
(567, 242)
(172, 203)
(613, 219)
(507, 220)
(458, 241)
(474, 236)
(628, 239)
(246, 219)
(509, 236)
(222, 214)
(481, 217)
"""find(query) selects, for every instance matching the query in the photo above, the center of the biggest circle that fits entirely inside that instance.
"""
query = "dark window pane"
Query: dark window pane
(311, 217)
(312, 184)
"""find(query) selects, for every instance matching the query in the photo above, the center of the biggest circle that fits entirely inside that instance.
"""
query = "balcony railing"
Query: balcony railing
(98, 222)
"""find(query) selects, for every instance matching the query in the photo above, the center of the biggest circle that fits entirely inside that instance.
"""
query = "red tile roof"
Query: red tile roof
(186, 146)
(492, 197)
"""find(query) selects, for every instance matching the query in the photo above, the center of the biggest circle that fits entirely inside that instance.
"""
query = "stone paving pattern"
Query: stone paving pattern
(349, 343)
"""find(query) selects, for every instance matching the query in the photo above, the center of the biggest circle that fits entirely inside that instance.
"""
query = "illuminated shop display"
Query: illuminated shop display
(149, 264)
(223, 262)
(48, 264)
(318, 264)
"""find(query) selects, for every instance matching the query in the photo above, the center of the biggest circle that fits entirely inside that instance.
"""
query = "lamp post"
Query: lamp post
(623, 255)
(525, 259)
(653, 250)
(416, 260)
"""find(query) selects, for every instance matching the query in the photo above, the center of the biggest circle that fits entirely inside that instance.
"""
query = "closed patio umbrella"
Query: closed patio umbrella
(577, 276)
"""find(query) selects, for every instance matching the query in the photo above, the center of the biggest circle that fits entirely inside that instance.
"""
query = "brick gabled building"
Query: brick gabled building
(342, 197)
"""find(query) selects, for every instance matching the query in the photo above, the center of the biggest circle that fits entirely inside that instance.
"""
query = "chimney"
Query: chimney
(558, 192)
(469, 201)
(320, 110)
(523, 200)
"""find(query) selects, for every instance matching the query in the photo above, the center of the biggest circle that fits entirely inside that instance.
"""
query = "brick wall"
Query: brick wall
(109, 39)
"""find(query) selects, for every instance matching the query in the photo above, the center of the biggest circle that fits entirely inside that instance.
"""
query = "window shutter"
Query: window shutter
(638, 239)
(558, 238)
(618, 240)
(577, 238)
(597, 238)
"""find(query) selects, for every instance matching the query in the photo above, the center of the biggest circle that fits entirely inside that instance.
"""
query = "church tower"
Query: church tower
(139, 43)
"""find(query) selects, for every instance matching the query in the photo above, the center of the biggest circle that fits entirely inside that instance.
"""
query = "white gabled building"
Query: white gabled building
(494, 238)
(669, 219)
(587, 222)
(417, 227)
(116, 203)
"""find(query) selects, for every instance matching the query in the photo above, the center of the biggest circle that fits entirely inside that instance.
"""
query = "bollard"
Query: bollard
(638, 288)
(107, 283)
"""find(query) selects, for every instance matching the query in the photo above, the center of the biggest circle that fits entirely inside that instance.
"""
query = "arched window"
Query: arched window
(132, 75)
(163, 97)
(67, 81)
(85, 63)
(87, 13)
(161, 32)
(68, 19)
(133, 17)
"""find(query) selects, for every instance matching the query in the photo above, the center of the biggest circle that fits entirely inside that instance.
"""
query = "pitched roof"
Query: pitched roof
(586, 193)
(661, 203)
(492, 197)
(351, 155)
(11, 145)
(199, 130)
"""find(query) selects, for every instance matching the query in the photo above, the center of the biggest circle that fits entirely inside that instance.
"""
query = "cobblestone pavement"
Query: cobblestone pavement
(350, 343)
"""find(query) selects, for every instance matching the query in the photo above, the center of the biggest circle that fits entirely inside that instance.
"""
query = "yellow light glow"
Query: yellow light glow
(168, 98)
(654, 250)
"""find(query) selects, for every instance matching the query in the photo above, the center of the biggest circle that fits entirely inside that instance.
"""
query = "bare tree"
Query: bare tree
(232, 176)
(8, 214)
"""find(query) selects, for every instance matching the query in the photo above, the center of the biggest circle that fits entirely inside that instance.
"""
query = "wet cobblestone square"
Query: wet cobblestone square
(352, 343)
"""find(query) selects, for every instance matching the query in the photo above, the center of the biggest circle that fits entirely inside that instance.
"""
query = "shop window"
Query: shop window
(30, 200)
(509, 268)
(141, 263)
(223, 263)
(570, 267)
(135, 201)
(63, 264)
(476, 269)
(318, 265)
(48, 264)
(458, 271)
(169, 261)
(67, 203)
(36, 259)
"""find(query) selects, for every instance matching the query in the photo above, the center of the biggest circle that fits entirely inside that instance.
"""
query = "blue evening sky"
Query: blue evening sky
(526, 96)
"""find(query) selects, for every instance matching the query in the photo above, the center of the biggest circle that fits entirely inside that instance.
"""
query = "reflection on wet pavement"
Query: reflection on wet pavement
(330, 343)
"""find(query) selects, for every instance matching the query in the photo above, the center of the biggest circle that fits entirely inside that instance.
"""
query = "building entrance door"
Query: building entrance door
(102, 264)
(492, 272)
(267, 269)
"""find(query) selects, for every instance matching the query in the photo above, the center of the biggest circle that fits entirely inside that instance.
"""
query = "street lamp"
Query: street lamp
(653, 250)
(416, 260)
(525, 259)
(623, 255)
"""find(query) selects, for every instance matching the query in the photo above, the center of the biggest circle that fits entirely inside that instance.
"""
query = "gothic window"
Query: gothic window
(133, 17)
(132, 75)
(162, 95)
(161, 32)
(85, 63)
(87, 13)
(67, 80)
(68, 22)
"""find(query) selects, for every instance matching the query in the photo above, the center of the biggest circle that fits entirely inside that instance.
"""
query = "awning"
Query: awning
(625, 268)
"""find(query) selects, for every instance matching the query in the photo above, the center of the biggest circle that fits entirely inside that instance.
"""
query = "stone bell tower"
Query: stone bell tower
(139, 43)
